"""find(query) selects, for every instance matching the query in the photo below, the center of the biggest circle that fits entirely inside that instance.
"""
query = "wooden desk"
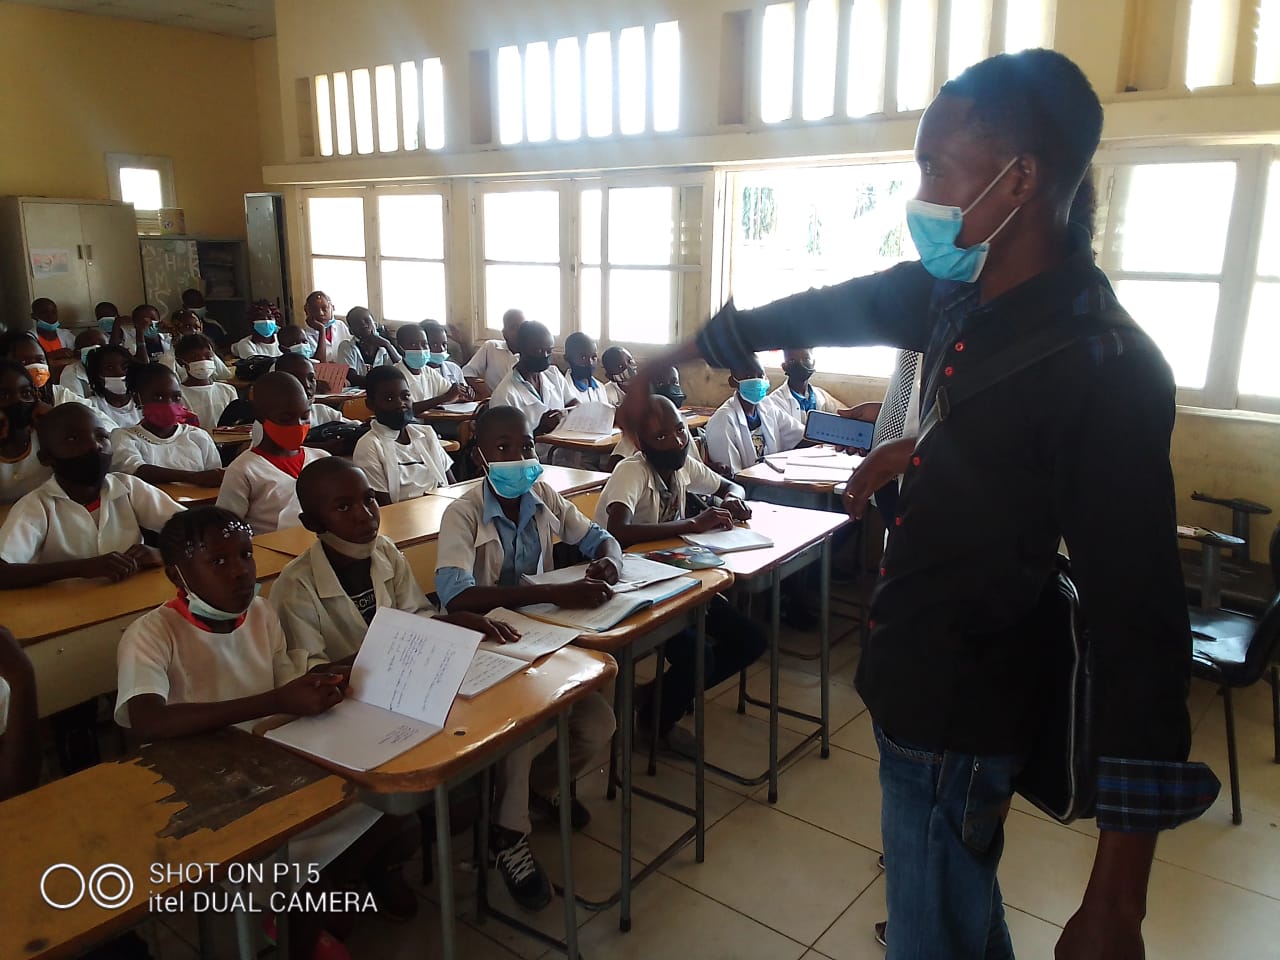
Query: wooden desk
(231, 435)
(450, 446)
(566, 481)
(448, 416)
(800, 538)
(763, 475)
(168, 809)
(601, 445)
(477, 733)
(406, 523)
(70, 629)
(188, 494)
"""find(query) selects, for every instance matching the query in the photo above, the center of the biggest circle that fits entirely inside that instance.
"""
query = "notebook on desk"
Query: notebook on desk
(729, 541)
(587, 421)
(613, 611)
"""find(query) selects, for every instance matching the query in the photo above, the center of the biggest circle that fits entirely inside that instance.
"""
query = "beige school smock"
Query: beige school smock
(402, 471)
(635, 483)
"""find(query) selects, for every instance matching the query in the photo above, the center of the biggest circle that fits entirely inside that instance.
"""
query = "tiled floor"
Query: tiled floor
(798, 881)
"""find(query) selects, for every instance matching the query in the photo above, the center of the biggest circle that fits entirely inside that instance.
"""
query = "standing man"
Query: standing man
(1077, 445)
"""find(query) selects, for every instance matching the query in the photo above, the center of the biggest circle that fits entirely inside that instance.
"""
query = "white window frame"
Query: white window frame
(162, 165)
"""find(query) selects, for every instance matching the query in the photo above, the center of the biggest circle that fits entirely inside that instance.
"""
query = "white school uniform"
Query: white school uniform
(491, 362)
(66, 339)
(256, 490)
(341, 333)
(209, 402)
(19, 477)
(516, 391)
(248, 347)
(635, 483)
(130, 343)
(349, 353)
(4, 705)
(596, 391)
(793, 426)
(450, 371)
(613, 394)
(729, 438)
(321, 620)
(320, 413)
(220, 370)
(75, 379)
(190, 448)
(108, 416)
(47, 526)
(424, 384)
(402, 471)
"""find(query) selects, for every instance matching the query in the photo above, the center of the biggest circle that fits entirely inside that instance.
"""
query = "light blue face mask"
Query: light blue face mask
(935, 228)
(265, 328)
(512, 479)
(106, 324)
(415, 359)
(207, 611)
(84, 354)
(753, 390)
(437, 358)
(49, 327)
(305, 348)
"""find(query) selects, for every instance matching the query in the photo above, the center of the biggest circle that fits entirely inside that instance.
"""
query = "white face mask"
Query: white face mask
(356, 551)
(116, 385)
(201, 369)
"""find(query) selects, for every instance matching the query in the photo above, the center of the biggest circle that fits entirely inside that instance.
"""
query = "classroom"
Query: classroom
(718, 479)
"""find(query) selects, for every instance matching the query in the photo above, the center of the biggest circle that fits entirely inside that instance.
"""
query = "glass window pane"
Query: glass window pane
(666, 76)
(345, 281)
(970, 22)
(342, 113)
(337, 226)
(141, 187)
(433, 103)
(599, 56)
(777, 62)
(589, 226)
(1266, 66)
(1025, 25)
(324, 117)
(1179, 316)
(589, 301)
(1153, 233)
(641, 307)
(411, 225)
(362, 97)
(1258, 377)
(867, 38)
(510, 96)
(413, 291)
(863, 361)
(632, 87)
(537, 91)
(1211, 42)
(1269, 252)
(409, 99)
(522, 226)
(535, 290)
(915, 56)
(384, 79)
(568, 88)
(641, 225)
(820, 38)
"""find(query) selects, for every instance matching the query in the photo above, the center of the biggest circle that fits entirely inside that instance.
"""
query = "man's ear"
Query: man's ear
(733, 381)
(1028, 178)
(311, 523)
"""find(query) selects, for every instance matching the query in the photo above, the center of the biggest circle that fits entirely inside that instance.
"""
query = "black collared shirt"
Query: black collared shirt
(1075, 446)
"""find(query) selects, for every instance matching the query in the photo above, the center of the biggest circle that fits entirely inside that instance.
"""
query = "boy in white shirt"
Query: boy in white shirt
(142, 336)
(489, 539)
(495, 358)
(643, 501)
(304, 371)
(532, 386)
(427, 386)
(580, 381)
(797, 397)
(438, 357)
(401, 458)
(743, 430)
(323, 330)
(21, 469)
(619, 367)
(164, 447)
(84, 521)
(74, 378)
(366, 349)
(260, 483)
(262, 342)
(202, 393)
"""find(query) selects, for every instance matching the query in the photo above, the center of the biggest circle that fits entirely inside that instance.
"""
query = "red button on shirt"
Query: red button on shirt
(949, 371)
(897, 521)
(959, 346)
(915, 461)
(882, 571)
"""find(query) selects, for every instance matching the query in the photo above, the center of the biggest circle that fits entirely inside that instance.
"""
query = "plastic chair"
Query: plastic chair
(1234, 651)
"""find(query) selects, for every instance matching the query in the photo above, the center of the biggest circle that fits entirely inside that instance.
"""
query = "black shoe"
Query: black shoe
(880, 862)
(548, 809)
(882, 931)
(526, 881)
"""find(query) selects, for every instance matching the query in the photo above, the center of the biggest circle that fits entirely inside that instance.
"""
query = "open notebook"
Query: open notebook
(729, 541)
(587, 421)
(613, 611)
(403, 683)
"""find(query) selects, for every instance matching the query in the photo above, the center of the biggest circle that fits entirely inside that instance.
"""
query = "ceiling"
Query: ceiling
(234, 18)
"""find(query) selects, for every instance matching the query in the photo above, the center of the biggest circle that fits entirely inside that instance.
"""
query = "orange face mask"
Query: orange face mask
(39, 374)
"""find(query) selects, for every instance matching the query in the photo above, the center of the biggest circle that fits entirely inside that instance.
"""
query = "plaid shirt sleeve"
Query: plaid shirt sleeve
(1144, 796)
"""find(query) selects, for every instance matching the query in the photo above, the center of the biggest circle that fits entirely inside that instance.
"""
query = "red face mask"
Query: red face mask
(164, 414)
(286, 436)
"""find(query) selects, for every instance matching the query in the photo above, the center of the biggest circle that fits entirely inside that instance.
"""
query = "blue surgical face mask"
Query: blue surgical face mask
(106, 324)
(753, 390)
(935, 228)
(512, 479)
(50, 327)
(265, 328)
(84, 354)
(415, 359)
(207, 611)
(305, 348)
(437, 358)
(330, 322)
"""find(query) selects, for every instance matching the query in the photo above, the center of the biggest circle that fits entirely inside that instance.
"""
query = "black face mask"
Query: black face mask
(665, 461)
(87, 470)
(17, 416)
(800, 372)
(396, 419)
(582, 373)
(672, 393)
(535, 363)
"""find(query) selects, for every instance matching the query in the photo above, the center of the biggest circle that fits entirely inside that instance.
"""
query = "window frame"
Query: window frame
(162, 165)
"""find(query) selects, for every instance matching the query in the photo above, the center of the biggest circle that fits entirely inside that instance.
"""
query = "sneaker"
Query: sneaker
(526, 881)
(548, 809)
(880, 861)
(882, 931)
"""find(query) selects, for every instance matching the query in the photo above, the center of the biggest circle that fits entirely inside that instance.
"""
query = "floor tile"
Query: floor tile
(382, 939)
(852, 936)
(1028, 883)
(755, 845)
(739, 743)
(1032, 937)
(840, 794)
(1247, 856)
(1192, 916)
(798, 691)
(858, 737)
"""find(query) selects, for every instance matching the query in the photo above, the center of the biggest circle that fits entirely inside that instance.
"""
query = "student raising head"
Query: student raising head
(796, 397)
(366, 348)
(108, 372)
(743, 429)
(84, 521)
(427, 385)
(262, 342)
(260, 483)
(142, 336)
(532, 386)
(401, 458)
(74, 379)
(164, 447)
(202, 393)
(666, 383)
(580, 379)
(21, 469)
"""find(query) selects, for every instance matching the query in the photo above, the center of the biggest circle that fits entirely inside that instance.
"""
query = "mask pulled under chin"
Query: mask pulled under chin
(356, 551)
(207, 611)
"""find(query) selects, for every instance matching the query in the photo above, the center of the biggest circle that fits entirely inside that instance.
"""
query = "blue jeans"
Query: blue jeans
(942, 820)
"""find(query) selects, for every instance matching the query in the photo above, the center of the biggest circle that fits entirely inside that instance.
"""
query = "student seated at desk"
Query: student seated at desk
(164, 447)
(84, 521)
(533, 386)
(304, 371)
(110, 398)
(666, 383)
(293, 339)
(365, 349)
(743, 430)
(327, 597)
(142, 336)
(74, 379)
(325, 332)
(186, 323)
(19, 720)
(403, 459)
(58, 344)
(490, 537)
(438, 358)
(193, 300)
(427, 386)
(643, 501)
(619, 367)
(262, 342)
(580, 381)
(495, 358)
(259, 484)
(797, 397)
(23, 347)
(201, 391)
(214, 656)
(21, 469)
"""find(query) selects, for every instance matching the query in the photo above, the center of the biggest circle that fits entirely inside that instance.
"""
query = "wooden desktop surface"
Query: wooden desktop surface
(231, 434)
(566, 481)
(485, 725)
(406, 523)
(214, 799)
(601, 445)
(710, 582)
(188, 494)
(761, 474)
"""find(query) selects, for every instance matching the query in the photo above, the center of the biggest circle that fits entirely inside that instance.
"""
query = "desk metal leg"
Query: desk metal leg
(1210, 576)
(626, 722)
(700, 737)
(444, 862)
(775, 631)
(659, 667)
(824, 668)
(566, 836)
